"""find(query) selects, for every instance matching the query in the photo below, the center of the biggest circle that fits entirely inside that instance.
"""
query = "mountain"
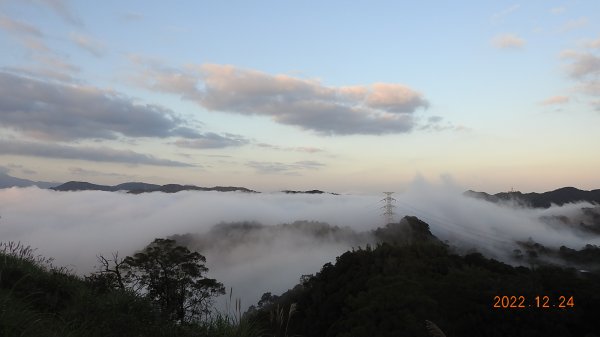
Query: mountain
(558, 197)
(136, 186)
(139, 187)
(308, 192)
(82, 186)
(7, 181)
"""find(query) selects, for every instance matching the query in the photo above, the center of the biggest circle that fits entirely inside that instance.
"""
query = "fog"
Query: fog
(74, 227)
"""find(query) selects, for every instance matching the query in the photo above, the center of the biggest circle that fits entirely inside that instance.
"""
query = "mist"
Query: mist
(74, 227)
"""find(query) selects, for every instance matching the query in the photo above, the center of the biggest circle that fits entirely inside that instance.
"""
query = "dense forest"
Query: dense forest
(407, 284)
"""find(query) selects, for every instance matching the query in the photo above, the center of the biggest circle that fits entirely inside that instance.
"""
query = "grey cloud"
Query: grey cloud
(47, 110)
(21, 168)
(93, 173)
(379, 108)
(212, 140)
(583, 64)
(264, 167)
(584, 67)
(96, 154)
(42, 72)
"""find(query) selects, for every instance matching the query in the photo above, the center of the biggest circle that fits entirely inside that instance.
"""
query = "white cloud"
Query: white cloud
(211, 140)
(499, 16)
(264, 167)
(574, 24)
(508, 41)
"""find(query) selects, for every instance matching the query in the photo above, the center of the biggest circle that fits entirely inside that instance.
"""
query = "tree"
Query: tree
(173, 277)
(110, 274)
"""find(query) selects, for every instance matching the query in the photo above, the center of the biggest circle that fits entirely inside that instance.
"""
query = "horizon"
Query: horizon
(332, 96)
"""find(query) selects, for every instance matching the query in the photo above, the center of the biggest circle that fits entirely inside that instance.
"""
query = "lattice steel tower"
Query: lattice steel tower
(388, 208)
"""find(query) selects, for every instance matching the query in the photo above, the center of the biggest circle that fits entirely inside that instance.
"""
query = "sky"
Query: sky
(345, 96)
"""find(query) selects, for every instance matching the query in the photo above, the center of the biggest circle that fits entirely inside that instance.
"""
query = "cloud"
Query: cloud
(380, 108)
(62, 9)
(496, 17)
(574, 24)
(18, 27)
(212, 140)
(508, 41)
(46, 110)
(305, 149)
(46, 63)
(584, 68)
(132, 16)
(558, 10)
(95, 154)
(21, 168)
(583, 64)
(308, 149)
(87, 43)
(78, 171)
(75, 227)
(264, 167)
(555, 100)
(29, 36)
(594, 44)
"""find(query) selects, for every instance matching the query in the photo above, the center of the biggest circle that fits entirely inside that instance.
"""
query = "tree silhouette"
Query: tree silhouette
(173, 277)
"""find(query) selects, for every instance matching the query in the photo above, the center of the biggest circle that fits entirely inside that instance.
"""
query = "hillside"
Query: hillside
(392, 290)
(558, 197)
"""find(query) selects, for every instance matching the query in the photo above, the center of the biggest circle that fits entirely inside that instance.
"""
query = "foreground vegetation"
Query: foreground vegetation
(396, 288)
(38, 299)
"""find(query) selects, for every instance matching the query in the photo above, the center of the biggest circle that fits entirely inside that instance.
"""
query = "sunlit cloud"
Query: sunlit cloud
(89, 44)
(380, 108)
(508, 41)
(555, 100)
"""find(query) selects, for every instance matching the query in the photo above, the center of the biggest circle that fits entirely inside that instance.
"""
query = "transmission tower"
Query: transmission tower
(388, 208)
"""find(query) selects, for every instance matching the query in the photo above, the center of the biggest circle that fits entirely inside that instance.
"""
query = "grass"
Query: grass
(39, 299)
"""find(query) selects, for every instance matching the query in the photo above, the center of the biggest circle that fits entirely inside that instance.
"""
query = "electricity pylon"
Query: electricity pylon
(388, 208)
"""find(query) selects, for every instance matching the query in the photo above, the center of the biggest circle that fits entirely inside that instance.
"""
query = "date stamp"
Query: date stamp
(538, 302)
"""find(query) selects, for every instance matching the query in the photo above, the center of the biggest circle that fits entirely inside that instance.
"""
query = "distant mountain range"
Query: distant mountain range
(7, 181)
(558, 197)
(138, 187)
